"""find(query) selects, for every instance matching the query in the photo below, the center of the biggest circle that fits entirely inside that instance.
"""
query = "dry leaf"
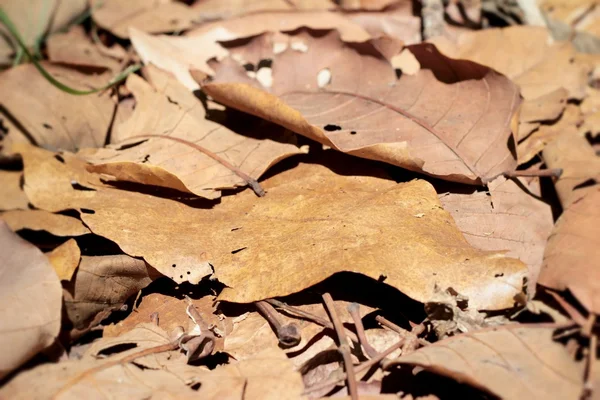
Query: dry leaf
(117, 16)
(400, 24)
(352, 101)
(53, 118)
(506, 217)
(506, 362)
(35, 18)
(76, 48)
(210, 10)
(86, 378)
(12, 196)
(269, 375)
(101, 285)
(536, 63)
(65, 259)
(31, 301)
(573, 251)
(547, 108)
(304, 235)
(173, 111)
(590, 108)
(535, 143)
(40, 220)
(574, 20)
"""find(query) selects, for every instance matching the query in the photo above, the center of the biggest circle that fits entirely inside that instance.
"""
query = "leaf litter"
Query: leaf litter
(422, 219)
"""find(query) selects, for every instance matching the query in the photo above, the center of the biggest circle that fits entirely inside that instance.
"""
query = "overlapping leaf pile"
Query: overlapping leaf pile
(298, 199)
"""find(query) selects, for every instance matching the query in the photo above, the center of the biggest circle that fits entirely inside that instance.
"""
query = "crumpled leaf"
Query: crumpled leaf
(505, 217)
(304, 235)
(101, 285)
(53, 118)
(573, 251)
(269, 375)
(65, 259)
(547, 108)
(117, 16)
(12, 196)
(437, 121)
(40, 220)
(64, 380)
(169, 109)
(30, 295)
(506, 361)
(35, 18)
(75, 48)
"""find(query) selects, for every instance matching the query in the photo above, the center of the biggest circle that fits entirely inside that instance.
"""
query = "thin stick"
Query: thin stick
(343, 348)
(287, 334)
(359, 368)
(354, 310)
(588, 386)
(253, 183)
(553, 172)
(310, 317)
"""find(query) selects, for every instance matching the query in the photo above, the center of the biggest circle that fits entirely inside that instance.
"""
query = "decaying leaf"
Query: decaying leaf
(506, 217)
(40, 220)
(171, 110)
(117, 16)
(75, 48)
(88, 378)
(311, 225)
(573, 251)
(35, 18)
(509, 362)
(12, 196)
(348, 97)
(51, 117)
(101, 285)
(65, 259)
(30, 295)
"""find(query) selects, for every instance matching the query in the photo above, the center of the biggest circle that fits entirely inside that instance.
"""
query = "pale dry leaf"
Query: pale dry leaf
(573, 251)
(76, 48)
(509, 362)
(101, 285)
(118, 16)
(567, 125)
(40, 220)
(436, 121)
(305, 235)
(400, 24)
(171, 110)
(53, 118)
(65, 259)
(211, 10)
(574, 20)
(547, 108)
(12, 196)
(536, 63)
(590, 108)
(268, 375)
(31, 301)
(86, 378)
(35, 18)
(506, 217)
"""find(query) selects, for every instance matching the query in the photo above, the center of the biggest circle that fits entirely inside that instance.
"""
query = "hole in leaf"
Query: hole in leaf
(59, 158)
(323, 77)
(235, 229)
(130, 145)
(249, 67)
(264, 63)
(87, 211)
(119, 348)
(498, 275)
(77, 186)
(332, 128)
(174, 265)
(238, 250)
(172, 101)
(47, 126)
(353, 132)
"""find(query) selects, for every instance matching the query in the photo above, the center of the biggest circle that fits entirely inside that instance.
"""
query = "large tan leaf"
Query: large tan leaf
(511, 362)
(312, 223)
(51, 117)
(171, 110)
(536, 63)
(65, 259)
(12, 196)
(35, 18)
(117, 16)
(101, 285)
(85, 378)
(348, 97)
(573, 251)
(30, 295)
(506, 217)
(40, 220)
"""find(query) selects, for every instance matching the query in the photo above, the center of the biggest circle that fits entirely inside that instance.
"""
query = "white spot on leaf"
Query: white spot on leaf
(323, 77)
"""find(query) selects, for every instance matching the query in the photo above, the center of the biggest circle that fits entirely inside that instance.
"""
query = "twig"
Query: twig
(353, 309)
(412, 334)
(588, 386)
(359, 368)
(288, 334)
(553, 172)
(343, 348)
(310, 317)
(253, 183)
